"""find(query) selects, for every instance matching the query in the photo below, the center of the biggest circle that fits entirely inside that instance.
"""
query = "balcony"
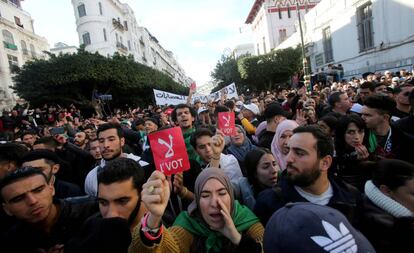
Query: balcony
(117, 24)
(122, 47)
(10, 46)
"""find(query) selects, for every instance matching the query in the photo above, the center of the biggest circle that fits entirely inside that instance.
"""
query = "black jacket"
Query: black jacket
(25, 237)
(386, 233)
(346, 199)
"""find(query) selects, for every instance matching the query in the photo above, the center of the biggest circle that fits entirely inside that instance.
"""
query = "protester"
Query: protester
(280, 141)
(240, 145)
(262, 173)
(215, 221)
(389, 207)
(306, 178)
(274, 114)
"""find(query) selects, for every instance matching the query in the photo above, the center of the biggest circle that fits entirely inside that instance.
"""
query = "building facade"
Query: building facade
(19, 45)
(109, 26)
(362, 35)
(273, 21)
(62, 48)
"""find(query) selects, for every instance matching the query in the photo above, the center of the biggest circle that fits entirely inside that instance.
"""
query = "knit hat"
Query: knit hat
(153, 120)
(311, 228)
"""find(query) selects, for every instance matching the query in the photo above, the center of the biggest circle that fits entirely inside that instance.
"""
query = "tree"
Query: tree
(71, 78)
(263, 71)
(226, 72)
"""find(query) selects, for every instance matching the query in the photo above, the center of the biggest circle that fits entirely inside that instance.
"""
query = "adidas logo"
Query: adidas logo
(338, 241)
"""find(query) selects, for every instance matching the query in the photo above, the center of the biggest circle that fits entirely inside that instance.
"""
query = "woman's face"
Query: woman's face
(267, 169)
(283, 141)
(354, 136)
(405, 195)
(238, 138)
(212, 193)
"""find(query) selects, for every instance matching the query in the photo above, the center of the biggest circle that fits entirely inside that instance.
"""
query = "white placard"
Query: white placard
(167, 98)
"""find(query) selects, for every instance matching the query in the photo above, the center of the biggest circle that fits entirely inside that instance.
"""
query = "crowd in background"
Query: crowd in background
(326, 165)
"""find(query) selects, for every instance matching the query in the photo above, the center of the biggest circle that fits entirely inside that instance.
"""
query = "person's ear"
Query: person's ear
(122, 141)
(6, 209)
(385, 190)
(55, 168)
(325, 163)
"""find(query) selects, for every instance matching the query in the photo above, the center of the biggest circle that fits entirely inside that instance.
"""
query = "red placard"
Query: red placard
(193, 86)
(226, 123)
(169, 151)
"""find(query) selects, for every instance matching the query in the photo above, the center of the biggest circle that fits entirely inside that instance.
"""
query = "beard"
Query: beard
(306, 178)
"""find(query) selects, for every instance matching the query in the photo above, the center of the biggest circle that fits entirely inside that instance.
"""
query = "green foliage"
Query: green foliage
(226, 72)
(261, 72)
(66, 79)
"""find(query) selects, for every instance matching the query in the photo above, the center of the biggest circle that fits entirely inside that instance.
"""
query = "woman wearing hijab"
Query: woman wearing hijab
(279, 146)
(214, 222)
(240, 146)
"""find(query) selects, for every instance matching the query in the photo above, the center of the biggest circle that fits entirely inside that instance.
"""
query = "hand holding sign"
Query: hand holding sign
(218, 143)
(226, 123)
(169, 151)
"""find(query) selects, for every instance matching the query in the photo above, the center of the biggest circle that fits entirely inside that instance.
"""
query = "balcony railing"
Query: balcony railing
(117, 24)
(10, 46)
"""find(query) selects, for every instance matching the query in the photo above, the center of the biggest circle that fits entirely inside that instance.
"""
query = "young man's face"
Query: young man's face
(28, 199)
(110, 144)
(372, 117)
(95, 150)
(29, 139)
(118, 199)
(80, 139)
(204, 149)
(184, 118)
(303, 166)
(402, 97)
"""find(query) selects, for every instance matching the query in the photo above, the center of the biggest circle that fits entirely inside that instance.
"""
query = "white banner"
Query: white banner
(229, 90)
(167, 98)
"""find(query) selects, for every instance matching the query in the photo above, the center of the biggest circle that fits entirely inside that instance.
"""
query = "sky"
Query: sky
(196, 31)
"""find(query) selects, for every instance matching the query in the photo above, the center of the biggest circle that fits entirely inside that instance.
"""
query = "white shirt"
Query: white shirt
(322, 199)
(230, 166)
(91, 181)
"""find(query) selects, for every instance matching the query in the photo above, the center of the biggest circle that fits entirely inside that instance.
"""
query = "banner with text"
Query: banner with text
(167, 98)
(169, 151)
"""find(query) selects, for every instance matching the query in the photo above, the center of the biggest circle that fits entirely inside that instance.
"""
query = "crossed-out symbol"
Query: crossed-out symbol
(170, 152)
(227, 119)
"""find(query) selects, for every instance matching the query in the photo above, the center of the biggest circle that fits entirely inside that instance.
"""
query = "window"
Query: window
(280, 12)
(24, 47)
(327, 44)
(86, 39)
(81, 10)
(129, 45)
(121, 40)
(116, 37)
(104, 33)
(17, 21)
(8, 37)
(33, 51)
(100, 8)
(12, 60)
(288, 10)
(319, 59)
(282, 35)
(264, 45)
(258, 49)
(365, 27)
(126, 26)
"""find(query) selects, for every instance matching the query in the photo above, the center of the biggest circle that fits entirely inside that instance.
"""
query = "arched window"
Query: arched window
(8, 37)
(24, 47)
(81, 10)
(86, 39)
(100, 8)
(32, 50)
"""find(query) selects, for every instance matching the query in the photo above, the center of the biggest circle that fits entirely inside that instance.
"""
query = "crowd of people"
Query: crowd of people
(325, 167)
